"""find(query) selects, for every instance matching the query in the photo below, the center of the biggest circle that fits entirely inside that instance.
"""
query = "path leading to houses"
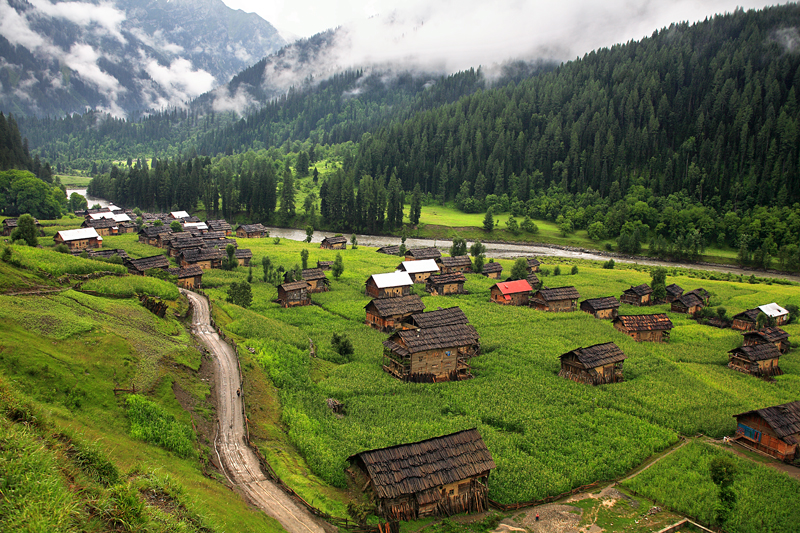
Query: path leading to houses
(239, 463)
(739, 449)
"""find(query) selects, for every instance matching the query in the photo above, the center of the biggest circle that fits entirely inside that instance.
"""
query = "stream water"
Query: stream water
(92, 200)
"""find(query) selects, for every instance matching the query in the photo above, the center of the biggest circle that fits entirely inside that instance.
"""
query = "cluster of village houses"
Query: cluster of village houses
(448, 474)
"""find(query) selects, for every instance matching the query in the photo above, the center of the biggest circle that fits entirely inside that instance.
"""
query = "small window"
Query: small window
(447, 353)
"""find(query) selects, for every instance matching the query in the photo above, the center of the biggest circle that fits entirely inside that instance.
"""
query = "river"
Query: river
(92, 200)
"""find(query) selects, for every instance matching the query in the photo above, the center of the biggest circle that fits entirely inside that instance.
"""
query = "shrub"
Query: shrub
(240, 293)
(574, 269)
(609, 265)
(557, 271)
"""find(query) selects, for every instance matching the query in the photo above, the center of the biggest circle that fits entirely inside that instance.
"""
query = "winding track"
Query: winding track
(239, 463)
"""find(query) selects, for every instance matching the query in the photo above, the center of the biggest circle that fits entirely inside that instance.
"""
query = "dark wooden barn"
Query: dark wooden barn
(673, 291)
(252, 231)
(772, 430)
(759, 360)
(149, 234)
(139, 266)
(324, 265)
(605, 308)
(459, 263)
(701, 293)
(492, 270)
(293, 294)
(558, 299)
(431, 354)
(10, 224)
(243, 255)
(388, 285)
(517, 292)
(220, 225)
(594, 365)
(417, 254)
(388, 314)
(317, 281)
(183, 241)
(451, 316)
(639, 295)
(334, 243)
(205, 258)
(440, 476)
(688, 303)
(443, 284)
(773, 335)
(650, 328)
(533, 264)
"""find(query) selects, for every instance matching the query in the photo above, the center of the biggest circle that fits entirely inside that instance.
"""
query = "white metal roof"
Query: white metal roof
(392, 279)
(179, 214)
(420, 267)
(78, 234)
(198, 225)
(773, 310)
(98, 216)
(122, 217)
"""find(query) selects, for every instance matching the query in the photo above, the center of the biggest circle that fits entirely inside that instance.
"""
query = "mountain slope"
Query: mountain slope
(131, 55)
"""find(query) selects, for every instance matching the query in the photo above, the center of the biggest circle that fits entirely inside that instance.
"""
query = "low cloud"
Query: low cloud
(104, 15)
(180, 80)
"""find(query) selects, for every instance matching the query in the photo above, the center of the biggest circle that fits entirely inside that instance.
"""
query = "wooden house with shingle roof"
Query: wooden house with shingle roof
(106, 253)
(334, 243)
(243, 255)
(516, 292)
(10, 224)
(688, 303)
(772, 430)
(189, 277)
(459, 263)
(183, 241)
(205, 258)
(252, 231)
(701, 293)
(533, 281)
(441, 317)
(748, 320)
(444, 284)
(389, 250)
(139, 266)
(388, 285)
(324, 265)
(639, 295)
(774, 335)
(492, 270)
(594, 365)
(103, 226)
(440, 476)
(673, 291)
(220, 225)
(388, 314)
(759, 360)
(606, 308)
(650, 328)
(558, 299)
(316, 279)
(149, 234)
(417, 254)
(431, 354)
(293, 294)
(533, 264)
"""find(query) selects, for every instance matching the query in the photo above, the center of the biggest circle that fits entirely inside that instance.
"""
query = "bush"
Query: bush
(342, 346)
(240, 293)
(609, 265)
(557, 271)
(574, 269)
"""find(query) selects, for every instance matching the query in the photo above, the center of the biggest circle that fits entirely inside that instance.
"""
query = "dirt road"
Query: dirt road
(240, 464)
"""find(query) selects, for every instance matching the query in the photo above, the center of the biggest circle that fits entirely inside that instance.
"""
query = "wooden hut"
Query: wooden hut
(459, 263)
(103, 226)
(293, 294)
(594, 365)
(431, 354)
(516, 292)
(639, 295)
(79, 239)
(316, 279)
(220, 225)
(444, 284)
(189, 277)
(492, 270)
(419, 270)
(334, 243)
(252, 231)
(774, 335)
(748, 320)
(388, 314)
(757, 360)
(558, 299)
(606, 308)
(324, 265)
(451, 316)
(183, 241)
(106, 253)
(10, 224)
(673, 291)
(701, 293)
(389, 250)
(440, 476)
(650, 328)
(688, 303)
(149, 234)
(418, 254)
(243, 255)
(533, 264)
(205, 258)
(140, 266)
(772, 430)
(533, 281)
(388, 285)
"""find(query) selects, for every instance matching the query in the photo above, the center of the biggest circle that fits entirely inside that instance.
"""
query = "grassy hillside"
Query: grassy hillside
(71, 458)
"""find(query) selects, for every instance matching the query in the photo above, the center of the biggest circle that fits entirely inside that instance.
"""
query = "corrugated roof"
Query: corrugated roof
(420, 466)
(514, 287)
(198, 225)
(598, 355)
(559, 293)
(657, 322)
(78, 234)
(758, 352)
(773, 310)
(598, 304)
(403, 305)
(440, 317)
(179, 214)
(391, 279)
(784, 419)
(419, 267)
